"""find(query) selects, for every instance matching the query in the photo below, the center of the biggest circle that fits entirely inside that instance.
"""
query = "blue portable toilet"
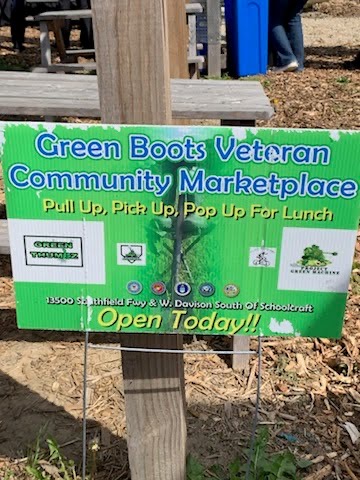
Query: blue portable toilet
(247, 36)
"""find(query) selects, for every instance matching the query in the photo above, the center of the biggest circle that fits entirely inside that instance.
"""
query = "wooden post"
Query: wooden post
(178, 38)
(240, 363)
(45, 45)
(214, 38)
(133, 61)
(134, 87)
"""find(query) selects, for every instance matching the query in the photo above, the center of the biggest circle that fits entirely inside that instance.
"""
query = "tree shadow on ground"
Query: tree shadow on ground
(338, 57)
(24, 414)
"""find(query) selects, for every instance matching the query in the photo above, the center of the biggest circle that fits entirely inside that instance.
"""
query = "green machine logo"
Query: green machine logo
(155, 229)
(315, 257)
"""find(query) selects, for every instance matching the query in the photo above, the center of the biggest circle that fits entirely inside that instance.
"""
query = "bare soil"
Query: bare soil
(310, 387)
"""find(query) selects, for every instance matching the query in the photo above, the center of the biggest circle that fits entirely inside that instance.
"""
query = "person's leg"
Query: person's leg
(86, 37)
(17, 23)
(278, 36)
(66, 29)
(295, 32)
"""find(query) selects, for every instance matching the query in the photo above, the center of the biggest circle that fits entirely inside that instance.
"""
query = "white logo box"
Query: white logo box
(88, 242)
(332, 278)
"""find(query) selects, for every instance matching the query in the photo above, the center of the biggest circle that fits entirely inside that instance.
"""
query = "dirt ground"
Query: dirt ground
(310, 387)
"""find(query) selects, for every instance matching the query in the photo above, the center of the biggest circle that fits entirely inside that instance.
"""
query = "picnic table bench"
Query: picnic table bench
(54, 20)
(44, 94)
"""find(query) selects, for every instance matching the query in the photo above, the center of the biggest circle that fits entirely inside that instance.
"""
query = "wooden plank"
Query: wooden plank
(192, 35)
(35, 78)
(214, 38)
(192, 8)
(241, 363)
(71, 108)
(64, 15)
(80, 52)
(34, 94)
(134, 87)
(196, 59)
(72, 67)
(4, 238)
(15, 107)
(38, 106)
(45, 45)
(87, 13)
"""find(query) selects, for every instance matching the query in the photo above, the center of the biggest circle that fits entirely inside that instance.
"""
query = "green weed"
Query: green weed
(224, 76)
(4, 66)
(266, 83)
(50, 463)
(9, 475)
(263, 465)
(343, 80)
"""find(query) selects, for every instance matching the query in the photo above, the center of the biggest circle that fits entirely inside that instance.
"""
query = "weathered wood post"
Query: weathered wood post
(178, 39)
(132, 54)
(214, 37)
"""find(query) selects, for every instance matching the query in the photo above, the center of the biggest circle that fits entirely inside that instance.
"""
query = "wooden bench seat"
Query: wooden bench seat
(44, 94)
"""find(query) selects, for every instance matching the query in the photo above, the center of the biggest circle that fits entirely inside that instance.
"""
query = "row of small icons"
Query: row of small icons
(134, 254)
(183, 289)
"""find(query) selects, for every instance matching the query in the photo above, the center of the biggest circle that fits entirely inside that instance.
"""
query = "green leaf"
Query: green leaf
(303, 463)
(217, 471)
(194, 469)
(234, 469)
(283, 466)
(35, 473)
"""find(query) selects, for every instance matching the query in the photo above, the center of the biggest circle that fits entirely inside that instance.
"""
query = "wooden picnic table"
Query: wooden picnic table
(45, 94)
(54, 20)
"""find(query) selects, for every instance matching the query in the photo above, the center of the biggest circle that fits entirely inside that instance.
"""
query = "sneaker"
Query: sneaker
(290, 67)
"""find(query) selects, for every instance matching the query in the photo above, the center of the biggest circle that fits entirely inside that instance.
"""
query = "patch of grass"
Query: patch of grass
(252, 78)
(19, 67)
(343, 80)
(266, 83)
(9, 475)
(224, 76)
(263, 465)
(49, 463)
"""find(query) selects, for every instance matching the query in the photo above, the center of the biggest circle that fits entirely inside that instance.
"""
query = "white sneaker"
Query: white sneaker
(290, 67)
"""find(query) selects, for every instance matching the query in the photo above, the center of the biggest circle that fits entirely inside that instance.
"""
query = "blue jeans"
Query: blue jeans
(286, 35)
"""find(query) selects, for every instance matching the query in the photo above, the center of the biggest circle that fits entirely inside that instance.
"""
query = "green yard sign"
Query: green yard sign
(181, 229)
